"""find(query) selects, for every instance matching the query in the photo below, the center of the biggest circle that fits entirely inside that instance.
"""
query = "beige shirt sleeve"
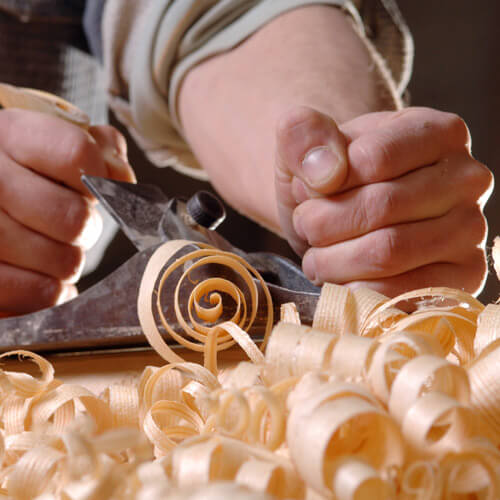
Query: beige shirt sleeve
(149, 46)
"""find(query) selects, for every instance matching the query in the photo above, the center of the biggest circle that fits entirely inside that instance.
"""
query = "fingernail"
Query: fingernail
(319, 165)
(115, 161)
(309, 266)
(91, 231)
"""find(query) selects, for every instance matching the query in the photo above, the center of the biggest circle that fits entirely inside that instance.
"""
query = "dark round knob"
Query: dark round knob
(206, 209)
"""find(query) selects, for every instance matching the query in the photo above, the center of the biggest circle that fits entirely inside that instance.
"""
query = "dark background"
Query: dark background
(455, 69)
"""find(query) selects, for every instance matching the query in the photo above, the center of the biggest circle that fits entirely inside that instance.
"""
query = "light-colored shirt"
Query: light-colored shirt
(149, 46)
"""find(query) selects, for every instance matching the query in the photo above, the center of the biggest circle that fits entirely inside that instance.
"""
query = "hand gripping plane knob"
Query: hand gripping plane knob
(206, 209)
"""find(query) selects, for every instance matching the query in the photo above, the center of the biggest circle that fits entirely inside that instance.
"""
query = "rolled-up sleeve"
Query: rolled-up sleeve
(149, 47)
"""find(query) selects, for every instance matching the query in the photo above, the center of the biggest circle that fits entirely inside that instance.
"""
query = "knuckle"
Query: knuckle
(116, 138)
(315, 221)
(458, 128)
(476, 269)
(386, 250)
(76, 216)
(295, 117)
(384, 202)
(46, 290)
(472, 178)
(109, 136)
(481, 178)
(362, 214)
(474, 224)
(82, 151)
(435, 122)
(70, 263)
(388, 203)
(372, 153)
(377, 207)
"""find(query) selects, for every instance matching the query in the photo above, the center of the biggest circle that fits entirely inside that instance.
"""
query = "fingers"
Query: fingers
(407, 211)
(384, 146)
(310, 152)
(47, 208)
(425, 193)
(114, 150)
(311, 147)
(398, 249)
(50, 146)
(35, 271)
(23, 291)
(27, 249)
(468, 276)
(54, 148)
(47, 217)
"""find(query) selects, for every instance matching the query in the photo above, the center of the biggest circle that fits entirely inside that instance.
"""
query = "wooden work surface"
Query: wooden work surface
(98, 370)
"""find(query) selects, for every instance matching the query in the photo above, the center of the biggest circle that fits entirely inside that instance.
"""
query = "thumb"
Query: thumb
(311, 160)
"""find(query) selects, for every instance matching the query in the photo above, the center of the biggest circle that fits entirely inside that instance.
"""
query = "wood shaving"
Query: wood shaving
(368, 402)
(42, 102)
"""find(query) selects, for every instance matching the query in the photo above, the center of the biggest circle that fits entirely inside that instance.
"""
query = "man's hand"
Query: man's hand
(397, 207)
(388, 200)
(47, 217)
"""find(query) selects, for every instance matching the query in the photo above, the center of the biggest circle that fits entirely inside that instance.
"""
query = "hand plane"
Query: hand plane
(105, 315)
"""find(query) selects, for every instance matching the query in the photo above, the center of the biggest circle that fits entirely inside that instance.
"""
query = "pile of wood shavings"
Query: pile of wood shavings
(366, 403)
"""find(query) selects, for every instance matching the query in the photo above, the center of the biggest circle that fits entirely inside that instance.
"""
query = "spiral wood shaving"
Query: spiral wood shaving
(368, 402)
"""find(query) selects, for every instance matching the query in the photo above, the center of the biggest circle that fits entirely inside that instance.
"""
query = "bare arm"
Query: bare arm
(289, 129)
(230, 105)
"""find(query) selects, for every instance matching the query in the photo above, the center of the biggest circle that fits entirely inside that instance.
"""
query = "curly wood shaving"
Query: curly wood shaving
(32, 472)
(43, 102)
(25, 385)
(296, 349)
(370, 402)
(488, 327)
(239, 335)
(289, 313)
(472, 470)
(168, 422)
(368, 303)
(437, 423)
(351, 426)
(385, 364)
(244, 374)
(151, 286)
(485, 388)
(255, 415)
(351, 357)
(123, 401)
(261, 475)
(336, 310)
(208, 458)
(423, 374)
(169, 382)
(439, 295)
(357, 480)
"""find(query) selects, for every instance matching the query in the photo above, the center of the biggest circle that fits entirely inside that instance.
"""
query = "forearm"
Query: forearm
(230, 104)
